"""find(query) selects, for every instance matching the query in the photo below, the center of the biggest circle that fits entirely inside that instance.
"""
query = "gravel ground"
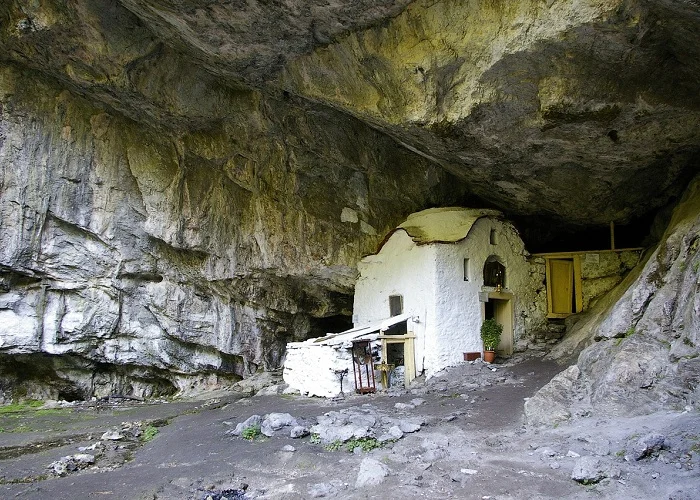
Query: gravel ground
(459, 435)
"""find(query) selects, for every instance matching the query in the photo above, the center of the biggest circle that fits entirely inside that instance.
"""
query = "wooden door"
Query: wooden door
(503, 314)
(560, 287)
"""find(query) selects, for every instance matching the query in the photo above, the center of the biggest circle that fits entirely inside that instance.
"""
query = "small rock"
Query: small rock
(469, 472)
(648, 445)
(554, 465)
(112, 435)
(251, 421)
(546, 451)
(372, 473)
(408, 427)
(404, 406)
(275, 421)
(298, 431)
(572, 454)
(434, 455)
(289, 448)
(435, 442)
(395, 432)
(417, 401)
(588, 470)
(329, 489)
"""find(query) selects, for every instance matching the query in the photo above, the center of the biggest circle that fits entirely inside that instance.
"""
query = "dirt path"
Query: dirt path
(473, 444)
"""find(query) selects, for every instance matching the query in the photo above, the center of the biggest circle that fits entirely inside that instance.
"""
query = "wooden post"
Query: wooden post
(612, 235)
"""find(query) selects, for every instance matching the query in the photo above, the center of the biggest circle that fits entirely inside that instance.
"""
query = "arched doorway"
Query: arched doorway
(494, 272)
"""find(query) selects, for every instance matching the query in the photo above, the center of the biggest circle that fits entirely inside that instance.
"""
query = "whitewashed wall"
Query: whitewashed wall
(458, 310)
(310, 369)
(400, 268)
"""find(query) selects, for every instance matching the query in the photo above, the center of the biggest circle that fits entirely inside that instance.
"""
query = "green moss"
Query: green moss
(52, 412)
(149, 433)
(20, 407)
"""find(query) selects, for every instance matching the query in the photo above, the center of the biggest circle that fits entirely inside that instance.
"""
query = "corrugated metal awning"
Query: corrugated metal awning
(370, 332)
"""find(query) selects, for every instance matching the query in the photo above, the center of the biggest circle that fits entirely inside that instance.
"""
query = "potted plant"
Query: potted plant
(491, 336)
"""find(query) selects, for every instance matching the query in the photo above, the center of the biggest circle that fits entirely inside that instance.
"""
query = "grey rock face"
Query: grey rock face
(643, 351)
(551, 404)
(149, 262)
(187, 186)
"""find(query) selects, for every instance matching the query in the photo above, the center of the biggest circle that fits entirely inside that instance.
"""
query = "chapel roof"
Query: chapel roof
(444, 224)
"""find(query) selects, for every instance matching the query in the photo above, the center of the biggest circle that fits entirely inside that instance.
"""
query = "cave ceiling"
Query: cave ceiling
(585, 112)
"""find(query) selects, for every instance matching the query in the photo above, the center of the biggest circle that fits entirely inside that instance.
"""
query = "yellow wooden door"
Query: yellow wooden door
(561, 286)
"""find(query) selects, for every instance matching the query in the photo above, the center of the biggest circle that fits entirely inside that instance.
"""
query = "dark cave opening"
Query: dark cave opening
(543, 234)
(331, 324)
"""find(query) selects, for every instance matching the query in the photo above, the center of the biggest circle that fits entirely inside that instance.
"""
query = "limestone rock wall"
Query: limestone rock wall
(144, 259)
(640, 346)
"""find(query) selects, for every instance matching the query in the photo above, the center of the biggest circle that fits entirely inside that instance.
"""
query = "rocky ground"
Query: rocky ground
(459, 435)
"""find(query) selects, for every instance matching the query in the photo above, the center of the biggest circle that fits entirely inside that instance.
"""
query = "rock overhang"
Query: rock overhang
(585, 114)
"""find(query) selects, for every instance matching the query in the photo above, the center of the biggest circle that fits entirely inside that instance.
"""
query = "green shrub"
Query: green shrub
(365, 443)
(250, 433)
(491, 332)
(334, 446)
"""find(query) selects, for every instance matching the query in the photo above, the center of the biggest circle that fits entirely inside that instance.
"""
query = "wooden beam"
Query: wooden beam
(582, 252)
(577, 284)
(612, 235)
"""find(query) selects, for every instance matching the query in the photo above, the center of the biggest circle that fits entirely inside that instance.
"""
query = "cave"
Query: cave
(185, 195)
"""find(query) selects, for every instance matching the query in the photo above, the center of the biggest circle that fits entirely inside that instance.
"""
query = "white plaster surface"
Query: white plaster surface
(459, 314)
(310, 366)
(430, 277)
(400, 268)
(311, 370)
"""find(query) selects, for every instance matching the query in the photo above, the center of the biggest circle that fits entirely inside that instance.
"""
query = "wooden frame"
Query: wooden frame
(409, 353)
(578, 293)
(506, 318)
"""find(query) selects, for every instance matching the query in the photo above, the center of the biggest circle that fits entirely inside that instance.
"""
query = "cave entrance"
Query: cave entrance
(563, 277)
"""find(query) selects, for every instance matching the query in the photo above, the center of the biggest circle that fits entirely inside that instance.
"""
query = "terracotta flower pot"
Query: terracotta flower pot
(489, 356)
